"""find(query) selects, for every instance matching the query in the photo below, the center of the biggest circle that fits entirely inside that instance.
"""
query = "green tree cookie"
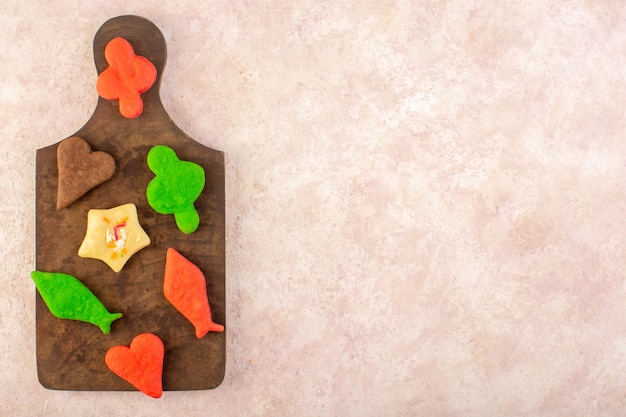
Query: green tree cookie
(176, 186)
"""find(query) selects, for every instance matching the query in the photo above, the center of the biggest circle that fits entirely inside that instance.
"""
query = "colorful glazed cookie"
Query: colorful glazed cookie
(68, 298)
(184, 286)
(113, 236)
(80, 170)
(141, 364)
(175, 188)
(126, 78)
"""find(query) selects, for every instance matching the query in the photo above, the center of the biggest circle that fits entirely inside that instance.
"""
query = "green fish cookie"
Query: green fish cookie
(68, 298)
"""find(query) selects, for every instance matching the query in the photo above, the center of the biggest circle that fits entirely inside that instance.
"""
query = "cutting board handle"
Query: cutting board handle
(147, 41)
(144, 36)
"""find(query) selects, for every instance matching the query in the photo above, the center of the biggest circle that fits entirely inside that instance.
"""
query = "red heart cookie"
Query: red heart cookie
(141, 364)
(80, 170)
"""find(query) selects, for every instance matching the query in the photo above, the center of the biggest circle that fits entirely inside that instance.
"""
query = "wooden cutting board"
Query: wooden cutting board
(70, 354)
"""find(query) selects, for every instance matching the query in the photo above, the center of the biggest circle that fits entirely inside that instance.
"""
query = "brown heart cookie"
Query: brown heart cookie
(80, 170)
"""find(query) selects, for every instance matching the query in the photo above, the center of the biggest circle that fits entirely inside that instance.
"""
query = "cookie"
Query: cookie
(80, 169)
(113, 235)
(126, 78)
(184, 286)
(176, 186)
(69, 298)
(141, 363)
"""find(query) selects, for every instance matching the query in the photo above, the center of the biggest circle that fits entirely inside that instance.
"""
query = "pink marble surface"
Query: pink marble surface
(425, 200)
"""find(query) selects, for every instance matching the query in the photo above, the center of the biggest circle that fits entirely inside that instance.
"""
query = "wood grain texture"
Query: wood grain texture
(70, 355)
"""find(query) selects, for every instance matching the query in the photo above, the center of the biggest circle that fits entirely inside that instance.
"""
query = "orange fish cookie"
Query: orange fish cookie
(184, 287)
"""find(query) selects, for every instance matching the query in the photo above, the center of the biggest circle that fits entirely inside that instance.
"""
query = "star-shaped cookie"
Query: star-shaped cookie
(113, 236)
